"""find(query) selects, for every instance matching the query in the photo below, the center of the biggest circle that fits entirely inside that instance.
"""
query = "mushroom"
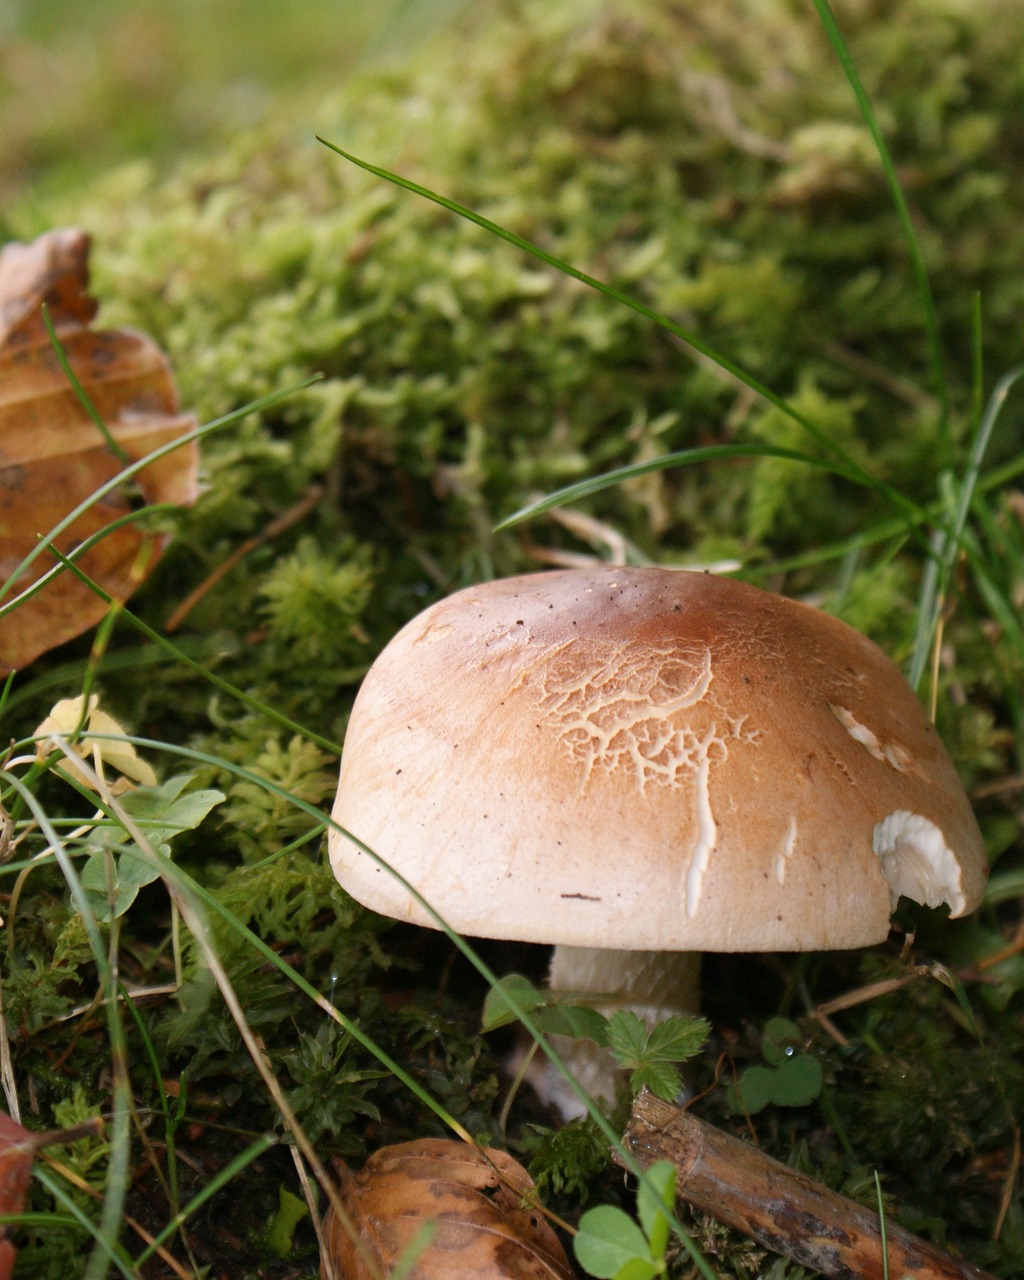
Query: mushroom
(640, 764)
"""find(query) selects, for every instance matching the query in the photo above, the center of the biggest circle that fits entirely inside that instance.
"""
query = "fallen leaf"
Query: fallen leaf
(66, 716)
(18, 1147)
(53, 456)
(484, 1224)
(17, 1151)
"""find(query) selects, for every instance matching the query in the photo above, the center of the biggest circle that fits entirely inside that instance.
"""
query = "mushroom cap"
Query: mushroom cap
(644, 758)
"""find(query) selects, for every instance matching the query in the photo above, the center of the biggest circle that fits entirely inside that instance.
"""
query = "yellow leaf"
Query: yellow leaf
(102, 753)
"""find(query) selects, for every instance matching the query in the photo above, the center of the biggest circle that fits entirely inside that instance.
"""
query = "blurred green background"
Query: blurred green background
(86, 84)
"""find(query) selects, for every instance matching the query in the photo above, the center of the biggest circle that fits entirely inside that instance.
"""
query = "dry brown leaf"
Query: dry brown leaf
(486, 1228)
(18, 1147)
(53, 456)
(17, 1151)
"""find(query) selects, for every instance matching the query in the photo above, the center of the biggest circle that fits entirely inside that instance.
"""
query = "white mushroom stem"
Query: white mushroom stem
(652, 984)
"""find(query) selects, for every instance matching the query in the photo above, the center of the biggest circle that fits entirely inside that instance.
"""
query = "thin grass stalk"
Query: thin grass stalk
(117, 1177)
(917, 263)
(836, 452)
(84, 399)
(948, 540)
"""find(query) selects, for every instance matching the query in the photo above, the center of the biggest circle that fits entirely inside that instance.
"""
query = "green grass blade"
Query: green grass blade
(686, 457)
(685, 335)
(179, 655)
(920, 271)
(947, 541)
(80, 391)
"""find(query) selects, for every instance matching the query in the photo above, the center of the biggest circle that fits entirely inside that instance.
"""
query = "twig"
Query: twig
(783, 1210)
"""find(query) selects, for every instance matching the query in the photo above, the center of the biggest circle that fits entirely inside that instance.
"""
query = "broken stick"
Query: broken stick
(783, 1210)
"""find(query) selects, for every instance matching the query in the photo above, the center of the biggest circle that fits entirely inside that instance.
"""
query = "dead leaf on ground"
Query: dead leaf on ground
(18, 1148)
(53, 456)
(479, 1199)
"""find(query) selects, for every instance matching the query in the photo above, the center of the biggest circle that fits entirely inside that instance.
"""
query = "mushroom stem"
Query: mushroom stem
(652, 984)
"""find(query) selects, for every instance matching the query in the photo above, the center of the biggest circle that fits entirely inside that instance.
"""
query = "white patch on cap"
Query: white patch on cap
(917, 862)
(786, 852)
(889, 752)
(707, 829)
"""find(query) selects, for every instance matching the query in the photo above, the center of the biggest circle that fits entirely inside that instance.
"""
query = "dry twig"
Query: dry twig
(783, 1210)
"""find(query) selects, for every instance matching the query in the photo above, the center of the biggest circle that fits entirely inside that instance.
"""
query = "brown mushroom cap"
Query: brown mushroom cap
(648, 759)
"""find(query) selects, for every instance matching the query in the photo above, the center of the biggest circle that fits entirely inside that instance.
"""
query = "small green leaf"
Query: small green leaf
(657, 1194)
(639, 1269)
(573, 1020)
(497, 1010)
(110, 898)
(797, 1082)
(649, 1055)
(779, 1041)
(608, 1240)
(752, 1092)
(161, 812)
(290, 1212)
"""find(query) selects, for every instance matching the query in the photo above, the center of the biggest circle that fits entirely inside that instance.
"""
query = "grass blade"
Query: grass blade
(917, 264)
(685, 335)
(947, 542)
(685, 457)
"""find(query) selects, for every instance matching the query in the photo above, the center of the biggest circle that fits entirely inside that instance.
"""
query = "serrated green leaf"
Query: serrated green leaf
(677, 1039)
(607, 1241)
(656, 1196)
(497, 1010)
(627, 1039)
(662, 1078)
